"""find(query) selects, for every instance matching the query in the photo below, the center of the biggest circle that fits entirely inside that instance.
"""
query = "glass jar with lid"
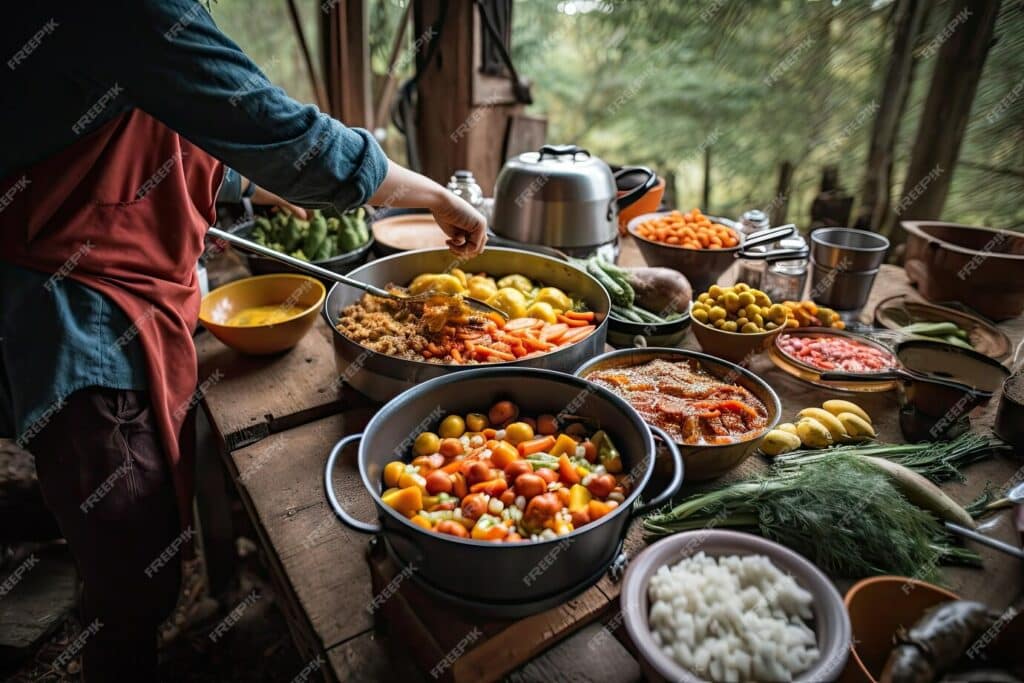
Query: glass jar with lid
(785, 280)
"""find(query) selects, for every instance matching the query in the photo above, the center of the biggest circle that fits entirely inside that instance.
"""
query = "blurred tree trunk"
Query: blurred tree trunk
(940, 132)
(909, 18)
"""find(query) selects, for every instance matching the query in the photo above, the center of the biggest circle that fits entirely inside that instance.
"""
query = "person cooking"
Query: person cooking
(121, 119)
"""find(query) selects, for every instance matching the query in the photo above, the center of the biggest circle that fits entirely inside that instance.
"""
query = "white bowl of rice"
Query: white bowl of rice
(712, 605)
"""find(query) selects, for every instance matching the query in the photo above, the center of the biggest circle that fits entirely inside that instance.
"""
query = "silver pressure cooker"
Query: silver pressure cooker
(562, 197)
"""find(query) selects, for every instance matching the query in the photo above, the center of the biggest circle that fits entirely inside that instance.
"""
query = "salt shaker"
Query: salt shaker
(464, 185)
(751, 270)
(785, 280)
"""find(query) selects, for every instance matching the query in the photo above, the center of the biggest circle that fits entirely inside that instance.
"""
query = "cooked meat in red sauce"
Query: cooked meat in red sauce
(692, 405)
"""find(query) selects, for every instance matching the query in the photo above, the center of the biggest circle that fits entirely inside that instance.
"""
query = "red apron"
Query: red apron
(124, 211)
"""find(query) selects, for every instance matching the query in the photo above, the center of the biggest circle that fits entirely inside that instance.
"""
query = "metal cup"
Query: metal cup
(843, 290)
(848, 249)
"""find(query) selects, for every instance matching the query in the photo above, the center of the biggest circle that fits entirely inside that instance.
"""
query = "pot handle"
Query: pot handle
(559, 151)
(677, 476)
(332, 498)
(767, 236)
(640, 190)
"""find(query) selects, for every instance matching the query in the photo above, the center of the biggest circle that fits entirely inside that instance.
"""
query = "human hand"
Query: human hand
(265, 197)
(464, 225)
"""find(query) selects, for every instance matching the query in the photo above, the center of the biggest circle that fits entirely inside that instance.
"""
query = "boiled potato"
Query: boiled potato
(509, 300)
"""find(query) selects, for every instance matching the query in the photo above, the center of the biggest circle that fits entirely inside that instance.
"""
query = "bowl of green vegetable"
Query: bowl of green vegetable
(337, 242)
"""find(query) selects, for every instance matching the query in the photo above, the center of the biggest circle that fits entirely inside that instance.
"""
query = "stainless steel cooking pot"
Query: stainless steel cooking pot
(381, 377)
(503, 578)
(562, 197)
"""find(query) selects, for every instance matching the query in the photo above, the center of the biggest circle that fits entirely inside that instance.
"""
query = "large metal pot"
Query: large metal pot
(562, 197)
(706, 461)
(382, 377)
(503, 578)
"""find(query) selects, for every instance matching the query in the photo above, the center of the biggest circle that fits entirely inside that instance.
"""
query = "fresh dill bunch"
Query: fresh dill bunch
(842, 514)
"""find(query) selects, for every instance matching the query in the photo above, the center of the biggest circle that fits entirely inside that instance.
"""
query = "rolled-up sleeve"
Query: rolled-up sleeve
(181, 69)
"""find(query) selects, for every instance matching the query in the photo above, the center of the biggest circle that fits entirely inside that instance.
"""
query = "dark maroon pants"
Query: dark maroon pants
(103, 473)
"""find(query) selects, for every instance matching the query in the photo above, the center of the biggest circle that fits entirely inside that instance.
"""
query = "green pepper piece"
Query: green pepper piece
(328, 248)
(607, 454)
(348, 239)
(317, 233)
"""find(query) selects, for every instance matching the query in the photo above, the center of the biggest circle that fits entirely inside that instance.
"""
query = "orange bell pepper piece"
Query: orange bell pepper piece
(567, 471)
(408, 501)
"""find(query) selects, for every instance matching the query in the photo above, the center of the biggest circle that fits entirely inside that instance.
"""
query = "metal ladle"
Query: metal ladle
(1014, 497)
(316, 271)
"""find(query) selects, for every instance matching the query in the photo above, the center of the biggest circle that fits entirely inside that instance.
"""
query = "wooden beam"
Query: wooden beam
(940, 132)
(346, 53)
(462, 117)
(318, 86)
(909, 18)
(390, 86)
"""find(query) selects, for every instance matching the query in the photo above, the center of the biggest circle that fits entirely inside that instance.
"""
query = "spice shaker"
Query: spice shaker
(463, 184)
(751, 271)
(785, 280)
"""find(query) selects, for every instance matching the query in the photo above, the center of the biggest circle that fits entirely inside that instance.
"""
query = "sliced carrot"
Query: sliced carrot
(573, 336)
(551, 331)
(496, 319)
(580, 315)
(521, 324)
(456, 355)
(537, 344)
(570, 322)
(536, 445)
(494, 353)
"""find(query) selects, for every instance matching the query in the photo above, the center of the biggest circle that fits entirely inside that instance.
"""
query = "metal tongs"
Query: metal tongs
(316, 271)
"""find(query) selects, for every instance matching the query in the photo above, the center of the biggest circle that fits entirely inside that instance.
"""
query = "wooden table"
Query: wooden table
(276, 419)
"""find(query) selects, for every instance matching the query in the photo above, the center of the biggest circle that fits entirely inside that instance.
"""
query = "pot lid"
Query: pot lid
(558, 173)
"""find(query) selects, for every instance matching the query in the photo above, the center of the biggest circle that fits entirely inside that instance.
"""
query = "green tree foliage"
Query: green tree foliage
(760, 82)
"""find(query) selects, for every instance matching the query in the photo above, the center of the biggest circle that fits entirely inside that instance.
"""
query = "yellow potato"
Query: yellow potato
(777, 442)
(813, 434)
(830, 421)
(837, 406)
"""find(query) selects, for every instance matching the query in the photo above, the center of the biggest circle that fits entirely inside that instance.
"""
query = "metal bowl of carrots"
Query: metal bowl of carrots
(698, 246)
(382, 377)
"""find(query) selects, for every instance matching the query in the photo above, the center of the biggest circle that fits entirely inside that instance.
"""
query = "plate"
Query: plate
(897, 311)
(812, 375)
(406, 232)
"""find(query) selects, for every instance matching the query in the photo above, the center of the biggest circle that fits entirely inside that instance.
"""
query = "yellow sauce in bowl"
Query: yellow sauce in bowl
(255, 316)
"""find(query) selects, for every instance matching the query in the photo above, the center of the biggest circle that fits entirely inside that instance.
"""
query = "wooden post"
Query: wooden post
(940, 132)
(779, 206)
(346, 54)
(462, 114)
(706, 193)
(909, 17)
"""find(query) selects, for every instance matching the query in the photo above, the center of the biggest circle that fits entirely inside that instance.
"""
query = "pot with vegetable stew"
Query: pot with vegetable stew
(525, 499)
(716, 412)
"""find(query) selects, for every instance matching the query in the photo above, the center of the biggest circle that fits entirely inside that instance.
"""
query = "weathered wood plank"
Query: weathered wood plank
(373, 656)
(323, 561)
(249, 397)
(38, 594)
(590, 655)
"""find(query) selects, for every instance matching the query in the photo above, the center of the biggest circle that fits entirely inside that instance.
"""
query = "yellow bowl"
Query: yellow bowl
(278, 289)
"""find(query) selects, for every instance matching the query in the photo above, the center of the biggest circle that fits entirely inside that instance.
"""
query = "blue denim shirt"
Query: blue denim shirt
(72, 66)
